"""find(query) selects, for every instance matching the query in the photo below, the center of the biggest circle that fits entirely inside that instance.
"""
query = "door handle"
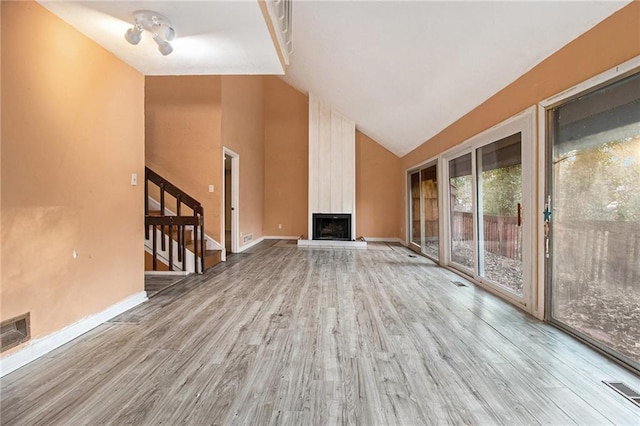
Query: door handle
(519, 214)
(547, 225)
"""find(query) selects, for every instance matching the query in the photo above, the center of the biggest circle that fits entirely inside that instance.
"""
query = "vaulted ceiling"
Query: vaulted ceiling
(403, 71)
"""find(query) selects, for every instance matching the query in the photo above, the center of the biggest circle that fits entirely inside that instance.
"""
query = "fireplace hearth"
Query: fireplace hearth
(332, 226)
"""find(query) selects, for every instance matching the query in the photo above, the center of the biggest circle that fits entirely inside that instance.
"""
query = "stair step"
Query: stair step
(212, 258)
(206, 252)
(175, 232)
(148, 263)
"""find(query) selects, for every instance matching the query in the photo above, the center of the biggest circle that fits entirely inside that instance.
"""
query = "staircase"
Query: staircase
(174, 241)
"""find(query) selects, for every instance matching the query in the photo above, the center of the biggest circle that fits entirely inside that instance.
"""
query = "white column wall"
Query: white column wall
(332, 163)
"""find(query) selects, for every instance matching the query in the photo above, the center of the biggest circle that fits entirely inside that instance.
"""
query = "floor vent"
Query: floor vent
(625, 391)
(459, 284)
(15, 331)
(412, 255)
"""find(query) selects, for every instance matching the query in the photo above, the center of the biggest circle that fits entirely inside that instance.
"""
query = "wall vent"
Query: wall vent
(625, 391)
(15, 331)
(247, 237)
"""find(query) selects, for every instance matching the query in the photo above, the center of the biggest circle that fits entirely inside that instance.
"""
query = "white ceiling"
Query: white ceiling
(403, 71)
(212, 37)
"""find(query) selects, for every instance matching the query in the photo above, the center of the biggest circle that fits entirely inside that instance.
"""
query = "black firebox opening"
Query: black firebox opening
(332, 226)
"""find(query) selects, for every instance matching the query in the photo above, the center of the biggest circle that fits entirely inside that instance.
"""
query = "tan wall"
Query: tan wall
(183, 138)
(72, 135)
(377, 197)
(243, 133)
(286, 133)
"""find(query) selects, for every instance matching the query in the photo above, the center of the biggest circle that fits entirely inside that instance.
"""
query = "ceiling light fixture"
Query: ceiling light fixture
(157, 25)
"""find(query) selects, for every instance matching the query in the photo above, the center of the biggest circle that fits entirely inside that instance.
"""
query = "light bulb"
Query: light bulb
(169, 33)
(133, 35)
(163, 46)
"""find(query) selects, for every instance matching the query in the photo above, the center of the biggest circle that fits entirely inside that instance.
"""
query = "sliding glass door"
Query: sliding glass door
(594, 196)
(414, 209)
(490, 231)
(423, 211)
(499, 188)
(461, 212)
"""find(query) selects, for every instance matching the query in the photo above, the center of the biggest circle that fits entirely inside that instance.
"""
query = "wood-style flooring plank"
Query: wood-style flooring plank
(287, 336)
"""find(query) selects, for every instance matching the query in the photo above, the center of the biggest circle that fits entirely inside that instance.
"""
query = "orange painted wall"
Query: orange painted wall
(377, 197)
(286, 180)
(183, 117)
(243, 133)
(72, 135)
(611, 42)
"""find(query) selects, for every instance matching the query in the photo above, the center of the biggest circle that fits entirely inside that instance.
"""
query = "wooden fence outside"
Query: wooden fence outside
(588, 250)
(597, 251)
(502, 234)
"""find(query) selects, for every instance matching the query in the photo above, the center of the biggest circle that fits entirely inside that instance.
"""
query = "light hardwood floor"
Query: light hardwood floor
(283, 335)
(156, 283)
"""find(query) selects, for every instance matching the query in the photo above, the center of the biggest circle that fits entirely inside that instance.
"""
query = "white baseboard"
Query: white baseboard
(39, 347)
(165, 273)
(333, 244)
(383, 239)
(251, 244)
(282, 237)
(212, 244)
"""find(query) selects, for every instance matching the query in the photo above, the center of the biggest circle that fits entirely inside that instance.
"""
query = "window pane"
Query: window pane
(415, 208)
(461, 203)
(499, 186)
(429, 185)
(595, 254)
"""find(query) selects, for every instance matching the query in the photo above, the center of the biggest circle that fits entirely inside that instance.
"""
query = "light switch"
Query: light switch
(211, 188)
(134, 179)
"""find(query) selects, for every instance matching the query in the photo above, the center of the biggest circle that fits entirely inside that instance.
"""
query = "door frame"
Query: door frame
(608, 77)
(235, 200)
(525, 123)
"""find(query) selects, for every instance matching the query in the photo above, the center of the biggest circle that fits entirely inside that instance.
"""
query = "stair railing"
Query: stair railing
(166, 224)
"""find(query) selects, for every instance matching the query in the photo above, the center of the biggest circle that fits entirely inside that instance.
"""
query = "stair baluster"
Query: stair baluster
(174, 226)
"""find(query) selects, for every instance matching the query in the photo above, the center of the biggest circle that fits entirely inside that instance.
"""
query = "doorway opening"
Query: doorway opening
(230, 181)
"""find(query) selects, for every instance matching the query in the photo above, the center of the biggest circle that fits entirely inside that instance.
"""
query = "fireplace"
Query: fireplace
(329, 226)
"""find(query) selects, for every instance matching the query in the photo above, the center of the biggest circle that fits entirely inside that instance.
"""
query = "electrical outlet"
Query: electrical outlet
(211, 188)
(279, 226)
